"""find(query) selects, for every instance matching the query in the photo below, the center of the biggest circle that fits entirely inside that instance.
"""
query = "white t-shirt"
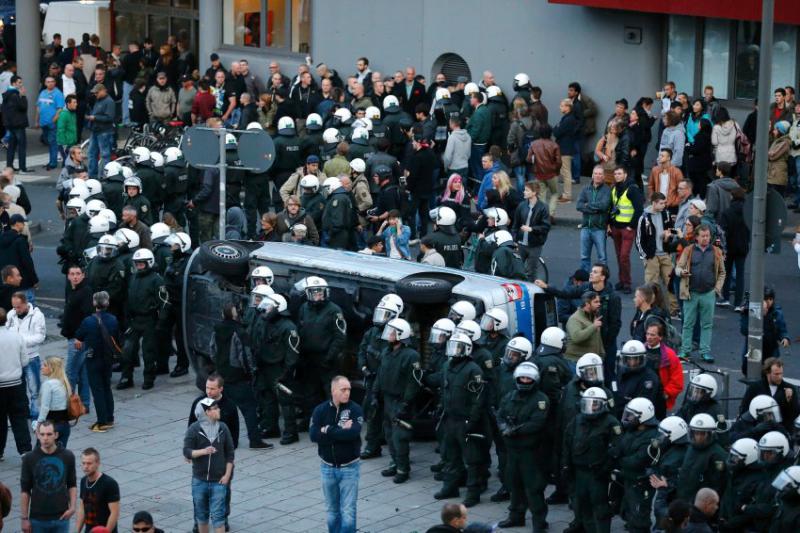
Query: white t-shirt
(663, 183)
(68, 84)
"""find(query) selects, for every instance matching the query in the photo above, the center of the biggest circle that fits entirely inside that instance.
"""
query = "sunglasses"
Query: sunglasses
(142, 529)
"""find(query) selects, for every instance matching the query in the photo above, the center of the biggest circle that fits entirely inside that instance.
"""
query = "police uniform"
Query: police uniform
(163, 255)
(276, 343)
(522, 419)
(108, 274)
(322, 340)
(288, 156)
(171, 320)
(632, 458)
(489, 366)
(74, 241)
(702, 467)
(144, 211)
(398, 388)
(395, 134)
(314, 206)
(338, 220)
(114, 193)
(146, 296)
(671, 457)
(360, 148)
(787, 516)
(362, 198)
(311, 142)
(587, 465)
(498, 107)
(176, 184)
(369, 360)
(741, 488)
(506, 264)
(642, 383)
(152, 188)
(447, 242)
(463, 431)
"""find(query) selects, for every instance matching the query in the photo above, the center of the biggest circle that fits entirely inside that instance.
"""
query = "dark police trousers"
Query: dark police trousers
(458, 449)
(397, 436)
(272, 402)
(140, 329)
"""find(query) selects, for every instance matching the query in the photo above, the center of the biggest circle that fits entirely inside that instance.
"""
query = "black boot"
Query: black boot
(502, 495)
(472, 500)
(371, 454)
(401, 477)
(389, 472)
(446, 493)
(512, 521)
(557, 498)
(289, 438)
(437, 467)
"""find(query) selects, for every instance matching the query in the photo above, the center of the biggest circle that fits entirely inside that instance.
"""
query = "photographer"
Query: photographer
(654, 237)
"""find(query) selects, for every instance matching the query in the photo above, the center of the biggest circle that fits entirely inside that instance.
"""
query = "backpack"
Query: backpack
(744, 150)
(239, 354)
(528, 136)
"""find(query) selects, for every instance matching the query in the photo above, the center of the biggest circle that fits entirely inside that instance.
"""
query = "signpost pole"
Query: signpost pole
(755, 318)
(222, 165)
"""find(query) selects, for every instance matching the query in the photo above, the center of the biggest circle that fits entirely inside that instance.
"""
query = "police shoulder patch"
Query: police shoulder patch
(478, 378)
(611, 403)
(617, 430)
(340, 323)
(552, 368)
(720, 465)
(488, 363)
(416, 365)
(335, 203)
(648, 384)
(542, 405)
(144, 209)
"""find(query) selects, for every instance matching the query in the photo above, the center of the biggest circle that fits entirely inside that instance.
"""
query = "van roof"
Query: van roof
(492, 290)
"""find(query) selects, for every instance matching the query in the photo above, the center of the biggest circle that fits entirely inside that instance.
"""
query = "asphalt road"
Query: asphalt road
(561, 254)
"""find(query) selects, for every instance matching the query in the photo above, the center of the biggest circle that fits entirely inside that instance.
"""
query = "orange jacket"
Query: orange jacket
(654, 184)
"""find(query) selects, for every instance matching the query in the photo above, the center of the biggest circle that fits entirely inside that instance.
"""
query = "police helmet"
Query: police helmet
(358, 165)
(110, 215)
(764, 408)
(313, 122)
(391, 102)
(360, 135)
(442, 94)
(230, 141)
(299, 230)
(79, 189)
(76, 204)
(493, 91)
(112, 169)
(458, 345)
(637, 412)
(372, 113)
(388, 308)
(107, 246)
(498, 214)
(310, 183)
(672, 429)
(788, 481)
(98, 225)
(254, 126)
(773, 448)
(462, 310)
(589, 369)
(396, 330)
(141, 154)
(258, 293)
(127, 172)
(517, 350)
(521, 80)
(171, 154)
(526, 370)
(342, 116)
(702, 387)
(133, 181)
(330, 185)
(127, 237)
(471, 329)
(441, 330)
(261, 275)
(701, 428)
(502, 237)
(159, 232)
(143, 256)
(156, 159)
(181, 240)
(443, 216)
(316, 289)
(286, 126)
(633, 355)
(331, 136)
(495, 319)
(471, 88)
(93, 207)
(743, 452)
(553, 337)
(94, 187)
(594, 402)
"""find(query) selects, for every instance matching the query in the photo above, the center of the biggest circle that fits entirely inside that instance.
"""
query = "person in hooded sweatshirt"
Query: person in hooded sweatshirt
(458, 149)
(235, 224)
(209, 446)
(723, 138)
(718, 194)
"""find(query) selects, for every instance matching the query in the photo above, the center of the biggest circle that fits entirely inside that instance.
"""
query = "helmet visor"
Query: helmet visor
(90, 253)
(630, 417)
(513, 356)
(455, 316)
(700, 437)
(381, 316)
(591, 373)
(438, 336)
(770, 414)
(256, 299)
(696, 393)
(106, 250)
(390, 334)
(633, 361)
(487, 323)
(316, 294)
(456, 349)
(592, 406)
(769, 455)
(784, 483)
(736, 459)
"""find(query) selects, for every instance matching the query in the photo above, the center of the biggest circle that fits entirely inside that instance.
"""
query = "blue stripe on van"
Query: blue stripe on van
(524, 311)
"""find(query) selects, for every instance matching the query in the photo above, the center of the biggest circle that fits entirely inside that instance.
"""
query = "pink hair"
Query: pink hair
(459, 195)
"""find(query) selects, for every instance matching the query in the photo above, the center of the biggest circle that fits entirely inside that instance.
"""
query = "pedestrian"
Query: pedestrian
(567, 134)
(772, 384)
(674, 137)
(15, 250)
(457, 151)
(701, 269)
(161, 100)
(666, 178)
(209, 446)
(101, 119)
(429, 254)
(778, 157)
(654, 240)
(626, 208)
(723, 138)
(737, 237)
(454, 519)
(594, 202)
(99, 496)
(48, 487)
(684, 199)
(336, 428)
(544, 156)
(698, 157)
(662, 359)
(49, 106)
(15, 119)
(566, 306)
(646, 310)
(14, 408)
(396, 236)
(29, 322)
(143, 523)
(530, 226)
(583, 328)
(78, 305)
(719, 193)
(67, 128)
(421, 169)
(54, 399)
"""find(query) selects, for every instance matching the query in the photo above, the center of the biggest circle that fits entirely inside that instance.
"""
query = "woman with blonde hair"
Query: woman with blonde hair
(54, 398)
(509, 196)
(605, 152)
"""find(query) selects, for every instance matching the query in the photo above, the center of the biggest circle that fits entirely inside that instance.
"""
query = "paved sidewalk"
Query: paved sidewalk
(276, 490)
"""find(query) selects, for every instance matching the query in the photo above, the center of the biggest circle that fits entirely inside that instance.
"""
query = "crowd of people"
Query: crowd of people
(453, 174)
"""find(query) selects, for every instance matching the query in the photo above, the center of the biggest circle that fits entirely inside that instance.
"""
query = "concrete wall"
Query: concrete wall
(554, 44)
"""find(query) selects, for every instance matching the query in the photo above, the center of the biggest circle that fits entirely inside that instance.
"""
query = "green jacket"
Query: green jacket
(289, 154)
(586, 443)
(229, 352)
(325, 330)
(396, 374)
(146, 295)
(369, 351)
(555, 374)
(740, 489)
(461, 390)
(143, 209)
(336, 166)
(702, 467)
(631, 455)
(107, 275)
(525, 415)
(582, 336)
(480, 125)
(67, 128)
(506, 264)
(277, 343)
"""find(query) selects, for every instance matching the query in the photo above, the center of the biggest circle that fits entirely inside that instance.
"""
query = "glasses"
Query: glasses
(142, 529)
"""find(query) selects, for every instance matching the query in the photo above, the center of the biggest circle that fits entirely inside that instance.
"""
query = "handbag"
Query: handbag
(110, 342)
(75, 408)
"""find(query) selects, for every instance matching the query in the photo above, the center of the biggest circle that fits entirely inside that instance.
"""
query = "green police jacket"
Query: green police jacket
(396, 374)
(587, 440)
(288, 153)
(176, 181)
(461, 389)
(569, 406)
(279, 343)
(324, 330)
(631, 454)
(369, 351)
(741, 489)
(143, 209)
(107, 274)
(702, 467)
(146, 295)
(525, 413)
(505, 264)
(555, 373)
(152, 183)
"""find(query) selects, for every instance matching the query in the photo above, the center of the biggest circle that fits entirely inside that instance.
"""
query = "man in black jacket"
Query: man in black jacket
(530, 227)
(130, 69)
(14, 250)
(410, 93)
(15, 120)
(336, 428)
(78, 306)
(419, 182)
(772, 384)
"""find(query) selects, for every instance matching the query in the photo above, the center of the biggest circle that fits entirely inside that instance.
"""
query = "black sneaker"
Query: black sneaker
(401, 477)
(502, 495)
(270, 434)
(389, 472)
(371, 454)
(511, 522)
(446, 494)
(260, 445)
(147, 385)
(471, 500)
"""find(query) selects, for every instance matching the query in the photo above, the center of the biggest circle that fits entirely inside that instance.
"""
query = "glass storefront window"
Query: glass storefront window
(784, 54)
(681, 52)
(276, 23)
(130, 27)
(716, 46)
(158, 29)
(301, 26)
(241, 22)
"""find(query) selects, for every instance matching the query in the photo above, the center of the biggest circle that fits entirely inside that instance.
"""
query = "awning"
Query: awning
(786, 11)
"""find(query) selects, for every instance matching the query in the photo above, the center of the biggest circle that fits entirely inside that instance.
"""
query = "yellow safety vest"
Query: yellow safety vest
(624, 205)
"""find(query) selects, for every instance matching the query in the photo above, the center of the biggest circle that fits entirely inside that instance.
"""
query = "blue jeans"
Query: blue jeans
(208, 498)
(99, 373)
(63, 430)
(475, 155)
(340, 488)
(49, 134)
(126, 100)
(16, 142)
(49, 526)
(78, 373)
(520, 173)
(33, 380)
(576, 160)
(589, 238)
(102, 143)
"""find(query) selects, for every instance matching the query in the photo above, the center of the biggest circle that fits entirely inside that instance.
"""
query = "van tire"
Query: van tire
(225, 258)
(424, 290)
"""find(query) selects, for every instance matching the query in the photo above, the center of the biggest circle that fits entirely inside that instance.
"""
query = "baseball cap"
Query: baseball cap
(186, 78)
(15, 219)
(208, 403)
(312, 159)
(99, 87)
(462, 79)
(698, 204)
(143, 516)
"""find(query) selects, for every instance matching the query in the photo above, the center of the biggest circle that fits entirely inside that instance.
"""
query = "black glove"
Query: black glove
(374, 402)
(404, 413)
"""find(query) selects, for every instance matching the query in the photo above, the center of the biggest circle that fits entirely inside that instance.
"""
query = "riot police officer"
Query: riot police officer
(462, 428)
(137, 200)
(393, 115)
(555, 374)
(151, 178)
(338, 218)
(311, 199)
(234, 176)
(112, 186)
(76, 234)
(369, 360)
(257, 295)
(323, 336)
(106, 272)
(670, 449)
(256, 193)
(288, 156)
(631, 453)
(180, 246)
(360, 147)
(161, 250)
(276, 343)
(787, 517)
(494, 219)
(701, 398)
(261, 275)
(432, 377)
(445, 237)
(312, 138)
(521, 418)
(506, 262)
(762, 416)
(744, 477)
(176, 184)
(704, 462)
(330, 140)
(397, 386)
(585, 460)
(378, 127)
(638, 380)
(461, 310)
(773, 452)
(146, 296)
(498, 106)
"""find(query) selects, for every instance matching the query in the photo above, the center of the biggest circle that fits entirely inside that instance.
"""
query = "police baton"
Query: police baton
(475, 436)
(284, 389)
(403, 424)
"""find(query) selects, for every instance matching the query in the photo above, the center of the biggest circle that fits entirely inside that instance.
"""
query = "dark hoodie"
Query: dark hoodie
(14, 251)
(718, 197)
(198, 435)
(235, 224)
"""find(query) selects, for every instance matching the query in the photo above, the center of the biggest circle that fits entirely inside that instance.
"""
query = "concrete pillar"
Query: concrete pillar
(29, 35)
(210, 37)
